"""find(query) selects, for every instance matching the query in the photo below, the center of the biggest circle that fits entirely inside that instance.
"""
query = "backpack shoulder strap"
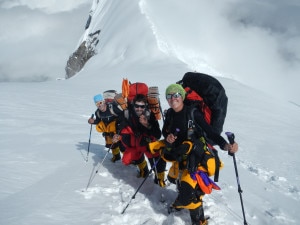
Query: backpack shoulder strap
(191, 118)
(111, 109)
(168, 118)
(98, 114)
(191, 113)
(126, 113)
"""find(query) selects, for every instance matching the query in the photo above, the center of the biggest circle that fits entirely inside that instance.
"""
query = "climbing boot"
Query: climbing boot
(143, 169)
(160, 179)
(202, 222)
(116, 154)
(197, 216)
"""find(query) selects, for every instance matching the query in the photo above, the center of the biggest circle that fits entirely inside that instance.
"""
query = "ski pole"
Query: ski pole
(230, 137)
(155, 169)
(99, 167)
(88, 151)
(133, 196)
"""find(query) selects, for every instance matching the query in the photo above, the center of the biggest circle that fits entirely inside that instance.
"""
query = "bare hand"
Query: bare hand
(116, 138)
(143, 120)
(231, 148)
(171, 138)
(91, 121)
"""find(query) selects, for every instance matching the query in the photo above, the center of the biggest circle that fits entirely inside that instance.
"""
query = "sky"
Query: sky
(253, 42)
(45, 134)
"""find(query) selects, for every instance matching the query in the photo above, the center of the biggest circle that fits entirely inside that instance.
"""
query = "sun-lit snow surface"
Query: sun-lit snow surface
(44, 141)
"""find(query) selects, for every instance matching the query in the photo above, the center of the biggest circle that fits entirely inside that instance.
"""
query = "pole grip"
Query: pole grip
(230, 137)
(92, 116)
(177, 130)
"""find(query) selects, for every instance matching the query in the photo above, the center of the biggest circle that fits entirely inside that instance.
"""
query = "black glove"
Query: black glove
(167, 153)
(180, 152)
(166, 150)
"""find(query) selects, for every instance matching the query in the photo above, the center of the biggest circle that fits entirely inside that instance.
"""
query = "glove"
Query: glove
(180, 152)
(167, 155)
(192, 163)
(156, 146)
(167, 151)
(181, 149)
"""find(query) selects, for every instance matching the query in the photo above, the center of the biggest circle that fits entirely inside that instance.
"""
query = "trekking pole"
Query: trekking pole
(99, 167)
(88, 151)
(230, 137)
(155, 169)
(133, 196)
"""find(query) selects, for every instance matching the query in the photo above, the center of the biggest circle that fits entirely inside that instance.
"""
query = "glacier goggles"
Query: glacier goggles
(139, 106)
(175, 95)
(99, 103)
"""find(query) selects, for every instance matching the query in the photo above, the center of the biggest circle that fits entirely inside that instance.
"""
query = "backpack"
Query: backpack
(208, 94)
(130, 90)
(135, 89)
(109, 95)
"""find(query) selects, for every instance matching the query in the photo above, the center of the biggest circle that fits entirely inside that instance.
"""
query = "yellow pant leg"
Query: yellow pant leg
(173, 172)
(116, 154)
(190, 195)
(109, 129)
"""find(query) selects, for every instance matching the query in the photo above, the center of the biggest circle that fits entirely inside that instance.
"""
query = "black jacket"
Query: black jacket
(105, 116)
(179, 120)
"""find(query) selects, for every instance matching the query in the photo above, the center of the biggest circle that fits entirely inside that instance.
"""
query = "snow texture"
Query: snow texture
(45, 136)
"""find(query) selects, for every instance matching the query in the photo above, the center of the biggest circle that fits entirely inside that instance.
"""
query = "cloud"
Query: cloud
(279, 20)
(36, 45)
(254, 42)
(50, 7)
(262, 45)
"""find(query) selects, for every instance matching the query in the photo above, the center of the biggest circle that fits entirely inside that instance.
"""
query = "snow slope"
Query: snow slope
(44, 139)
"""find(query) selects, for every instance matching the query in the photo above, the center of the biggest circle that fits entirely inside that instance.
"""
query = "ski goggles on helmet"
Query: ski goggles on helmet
(175, 95)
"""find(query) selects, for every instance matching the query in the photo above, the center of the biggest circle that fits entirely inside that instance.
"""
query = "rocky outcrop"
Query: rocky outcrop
(85, 51)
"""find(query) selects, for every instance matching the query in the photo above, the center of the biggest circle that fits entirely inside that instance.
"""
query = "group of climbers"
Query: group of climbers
(187, 143)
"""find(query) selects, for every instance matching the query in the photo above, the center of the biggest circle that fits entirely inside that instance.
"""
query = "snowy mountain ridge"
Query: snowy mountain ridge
(45, 135)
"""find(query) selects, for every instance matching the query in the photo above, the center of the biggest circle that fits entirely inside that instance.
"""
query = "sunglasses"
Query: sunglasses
(175, 95)
(139, 106)
(99, 103)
